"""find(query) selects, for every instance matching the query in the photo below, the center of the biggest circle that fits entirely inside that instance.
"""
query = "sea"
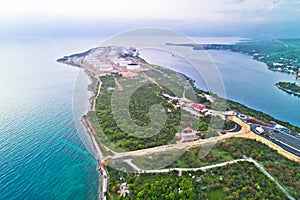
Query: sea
(44, 149)
(44, 153)
(243, 79)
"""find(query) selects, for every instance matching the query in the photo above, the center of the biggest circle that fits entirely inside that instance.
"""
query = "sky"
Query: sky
(195, 17)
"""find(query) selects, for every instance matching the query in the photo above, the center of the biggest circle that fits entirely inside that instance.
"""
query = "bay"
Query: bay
(245, 80)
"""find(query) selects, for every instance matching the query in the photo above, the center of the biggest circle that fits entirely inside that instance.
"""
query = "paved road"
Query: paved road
(281, 144)
(287, 138)
(287, 141)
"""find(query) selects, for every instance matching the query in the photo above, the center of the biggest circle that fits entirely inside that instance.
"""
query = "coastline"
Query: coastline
(103, 175)
(287, 90)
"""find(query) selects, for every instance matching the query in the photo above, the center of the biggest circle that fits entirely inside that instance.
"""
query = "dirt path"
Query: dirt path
(97, 95)
(204, 168)
(169, 147)
(120, 88)
(153, 81)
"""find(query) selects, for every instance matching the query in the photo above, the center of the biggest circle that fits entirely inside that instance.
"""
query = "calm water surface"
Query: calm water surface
(41, 154)
(245, 80)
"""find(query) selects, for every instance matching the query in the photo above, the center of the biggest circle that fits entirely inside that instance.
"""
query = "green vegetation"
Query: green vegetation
(282, 55)
(229, 125)
(141, 134)
(237, 181)
(285, 171)
(139, 106)
(94, 85)
(289, 87)
(158, 160)
(140, 103)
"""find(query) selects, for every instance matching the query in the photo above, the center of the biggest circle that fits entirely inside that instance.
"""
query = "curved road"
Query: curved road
(290, 142)
(260, 167)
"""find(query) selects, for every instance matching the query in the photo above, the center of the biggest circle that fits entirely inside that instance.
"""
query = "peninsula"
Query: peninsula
(291, 88)
(255, 156)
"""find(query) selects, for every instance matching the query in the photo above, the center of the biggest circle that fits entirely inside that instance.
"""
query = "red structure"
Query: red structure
(255, 121)
(198, 107)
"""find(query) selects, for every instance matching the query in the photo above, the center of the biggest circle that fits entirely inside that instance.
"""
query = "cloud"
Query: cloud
(54, 16)
(239, 1)
(133, 9)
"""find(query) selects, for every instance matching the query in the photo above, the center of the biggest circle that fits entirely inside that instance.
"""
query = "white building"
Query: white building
(277, 64)
(122, 62)
(259, 129)
(188, 134)
(133, 66)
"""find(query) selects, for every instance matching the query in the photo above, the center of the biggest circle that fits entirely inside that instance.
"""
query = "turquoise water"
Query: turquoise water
(44, 152)
(41, 154)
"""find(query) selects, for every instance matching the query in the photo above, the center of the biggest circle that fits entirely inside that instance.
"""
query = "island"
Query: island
(157, 136)
(291, 88)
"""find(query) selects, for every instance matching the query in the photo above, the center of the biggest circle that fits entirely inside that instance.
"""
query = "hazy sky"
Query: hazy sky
(192, 16)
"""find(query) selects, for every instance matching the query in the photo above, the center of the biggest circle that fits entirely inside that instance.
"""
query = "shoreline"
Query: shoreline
(103, 175)
(287, 90)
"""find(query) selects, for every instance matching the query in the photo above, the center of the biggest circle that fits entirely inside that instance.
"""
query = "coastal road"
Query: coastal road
(287, 141)
(287, 138)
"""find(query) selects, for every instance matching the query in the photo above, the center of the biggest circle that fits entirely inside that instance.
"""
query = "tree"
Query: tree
(203, 126)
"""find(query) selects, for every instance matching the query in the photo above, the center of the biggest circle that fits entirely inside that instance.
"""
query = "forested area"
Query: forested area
(126, 136)
(237, 181)
(287, 172)
(283, 54)
(291, 87)
(139, 106)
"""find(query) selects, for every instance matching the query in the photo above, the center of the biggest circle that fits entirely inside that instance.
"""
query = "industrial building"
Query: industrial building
(133, 66)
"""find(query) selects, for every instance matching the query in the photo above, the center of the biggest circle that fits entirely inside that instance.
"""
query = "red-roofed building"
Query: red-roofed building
(198, 107)
(188, 134)
(189, 128)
